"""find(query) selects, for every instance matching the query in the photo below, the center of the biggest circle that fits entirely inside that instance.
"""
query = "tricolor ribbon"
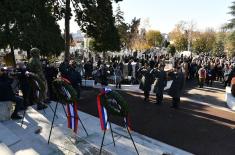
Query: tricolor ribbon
(72, 110)
(102, 113)
(72, 116)
(127, 121)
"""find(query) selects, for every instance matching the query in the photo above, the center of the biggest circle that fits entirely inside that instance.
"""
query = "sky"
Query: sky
(163, 15)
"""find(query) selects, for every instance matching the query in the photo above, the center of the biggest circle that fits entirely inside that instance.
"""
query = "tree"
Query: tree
(231, 23)
(133, 33)
(230, 44)
(199, 44)
(29, 23)
(121, 26)
(219, 44)
(96, 19)
(154, 38)
(179, 37)
(119, 19)
(91, 15)
(230, 39)
(203, 41)
(171, 49)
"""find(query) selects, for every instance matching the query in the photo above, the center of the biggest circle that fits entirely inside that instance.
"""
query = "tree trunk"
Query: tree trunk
(104, 56)
(67, 29)
(13, 56)
(28, 54)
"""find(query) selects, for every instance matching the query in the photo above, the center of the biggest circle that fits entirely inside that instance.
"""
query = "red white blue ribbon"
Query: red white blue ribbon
(72, 110)
(102, 113)
(72, 116)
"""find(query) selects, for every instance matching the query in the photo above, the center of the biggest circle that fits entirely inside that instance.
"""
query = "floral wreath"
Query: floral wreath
(115, 103)
(63, 90)
(36, 86)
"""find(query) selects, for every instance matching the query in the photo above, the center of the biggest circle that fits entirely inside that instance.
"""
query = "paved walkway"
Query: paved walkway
(199, 127)
(210, 96)
(63, 141)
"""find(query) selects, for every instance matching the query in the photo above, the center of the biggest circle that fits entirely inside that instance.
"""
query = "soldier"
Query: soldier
(146, 81)
(176, 86)
(35, 66)
(160, 83)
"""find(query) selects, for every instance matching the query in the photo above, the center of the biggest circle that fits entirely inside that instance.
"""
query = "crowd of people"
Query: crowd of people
(145, 71)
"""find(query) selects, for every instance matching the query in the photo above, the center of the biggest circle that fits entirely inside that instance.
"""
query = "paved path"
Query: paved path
(210, 96)
(200, 128)
(63, 141)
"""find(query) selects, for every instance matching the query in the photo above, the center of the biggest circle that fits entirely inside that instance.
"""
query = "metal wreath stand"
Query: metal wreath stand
(52, 123)
(37, 96)
(108, 122)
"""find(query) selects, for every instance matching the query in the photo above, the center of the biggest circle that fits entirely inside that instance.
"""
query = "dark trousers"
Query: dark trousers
(175, 102)
(159, 98)
(146, 95)
(118, 85)
(26, 94)
(77, 88)
(201, 82)
(18, 102)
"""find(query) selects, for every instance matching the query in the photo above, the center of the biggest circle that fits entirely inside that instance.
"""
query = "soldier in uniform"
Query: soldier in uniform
(160, 83)
(35, 66)
(146, 81)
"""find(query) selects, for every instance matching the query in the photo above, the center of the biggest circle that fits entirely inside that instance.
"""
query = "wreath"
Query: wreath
(36, 86)
(64, 91)
(115, 103)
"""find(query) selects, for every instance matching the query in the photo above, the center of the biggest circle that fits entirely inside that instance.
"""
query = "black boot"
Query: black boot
(15, 116)
(41, 106)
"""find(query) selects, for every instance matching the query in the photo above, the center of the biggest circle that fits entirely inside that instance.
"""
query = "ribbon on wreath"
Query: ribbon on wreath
(72, 111)
(127, 121)
(103, 112)
(72, 116)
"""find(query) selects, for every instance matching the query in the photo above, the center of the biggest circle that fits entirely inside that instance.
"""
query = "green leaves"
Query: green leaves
(95, 17)
(30, 23)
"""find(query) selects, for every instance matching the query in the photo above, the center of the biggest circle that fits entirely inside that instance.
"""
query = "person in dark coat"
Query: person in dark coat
(7, 94)
(50, 74)
(146, 81)
(130, 68)
(64, 69)
(161, 81)
(23, 84)
(176, 87)
(103, 75)
(88, 67)
(75, 78)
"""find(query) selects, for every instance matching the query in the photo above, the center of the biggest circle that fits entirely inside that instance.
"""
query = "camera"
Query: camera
(10, 72)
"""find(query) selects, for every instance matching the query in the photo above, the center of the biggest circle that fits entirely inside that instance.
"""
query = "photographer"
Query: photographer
(23, 83)
(6, 92)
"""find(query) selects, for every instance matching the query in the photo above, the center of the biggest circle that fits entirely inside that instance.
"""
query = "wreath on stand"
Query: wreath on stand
(64, 91)
(115, 103)
(36, 86)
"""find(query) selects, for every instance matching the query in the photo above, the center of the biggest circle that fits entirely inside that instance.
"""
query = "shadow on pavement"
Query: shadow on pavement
(195, 128)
